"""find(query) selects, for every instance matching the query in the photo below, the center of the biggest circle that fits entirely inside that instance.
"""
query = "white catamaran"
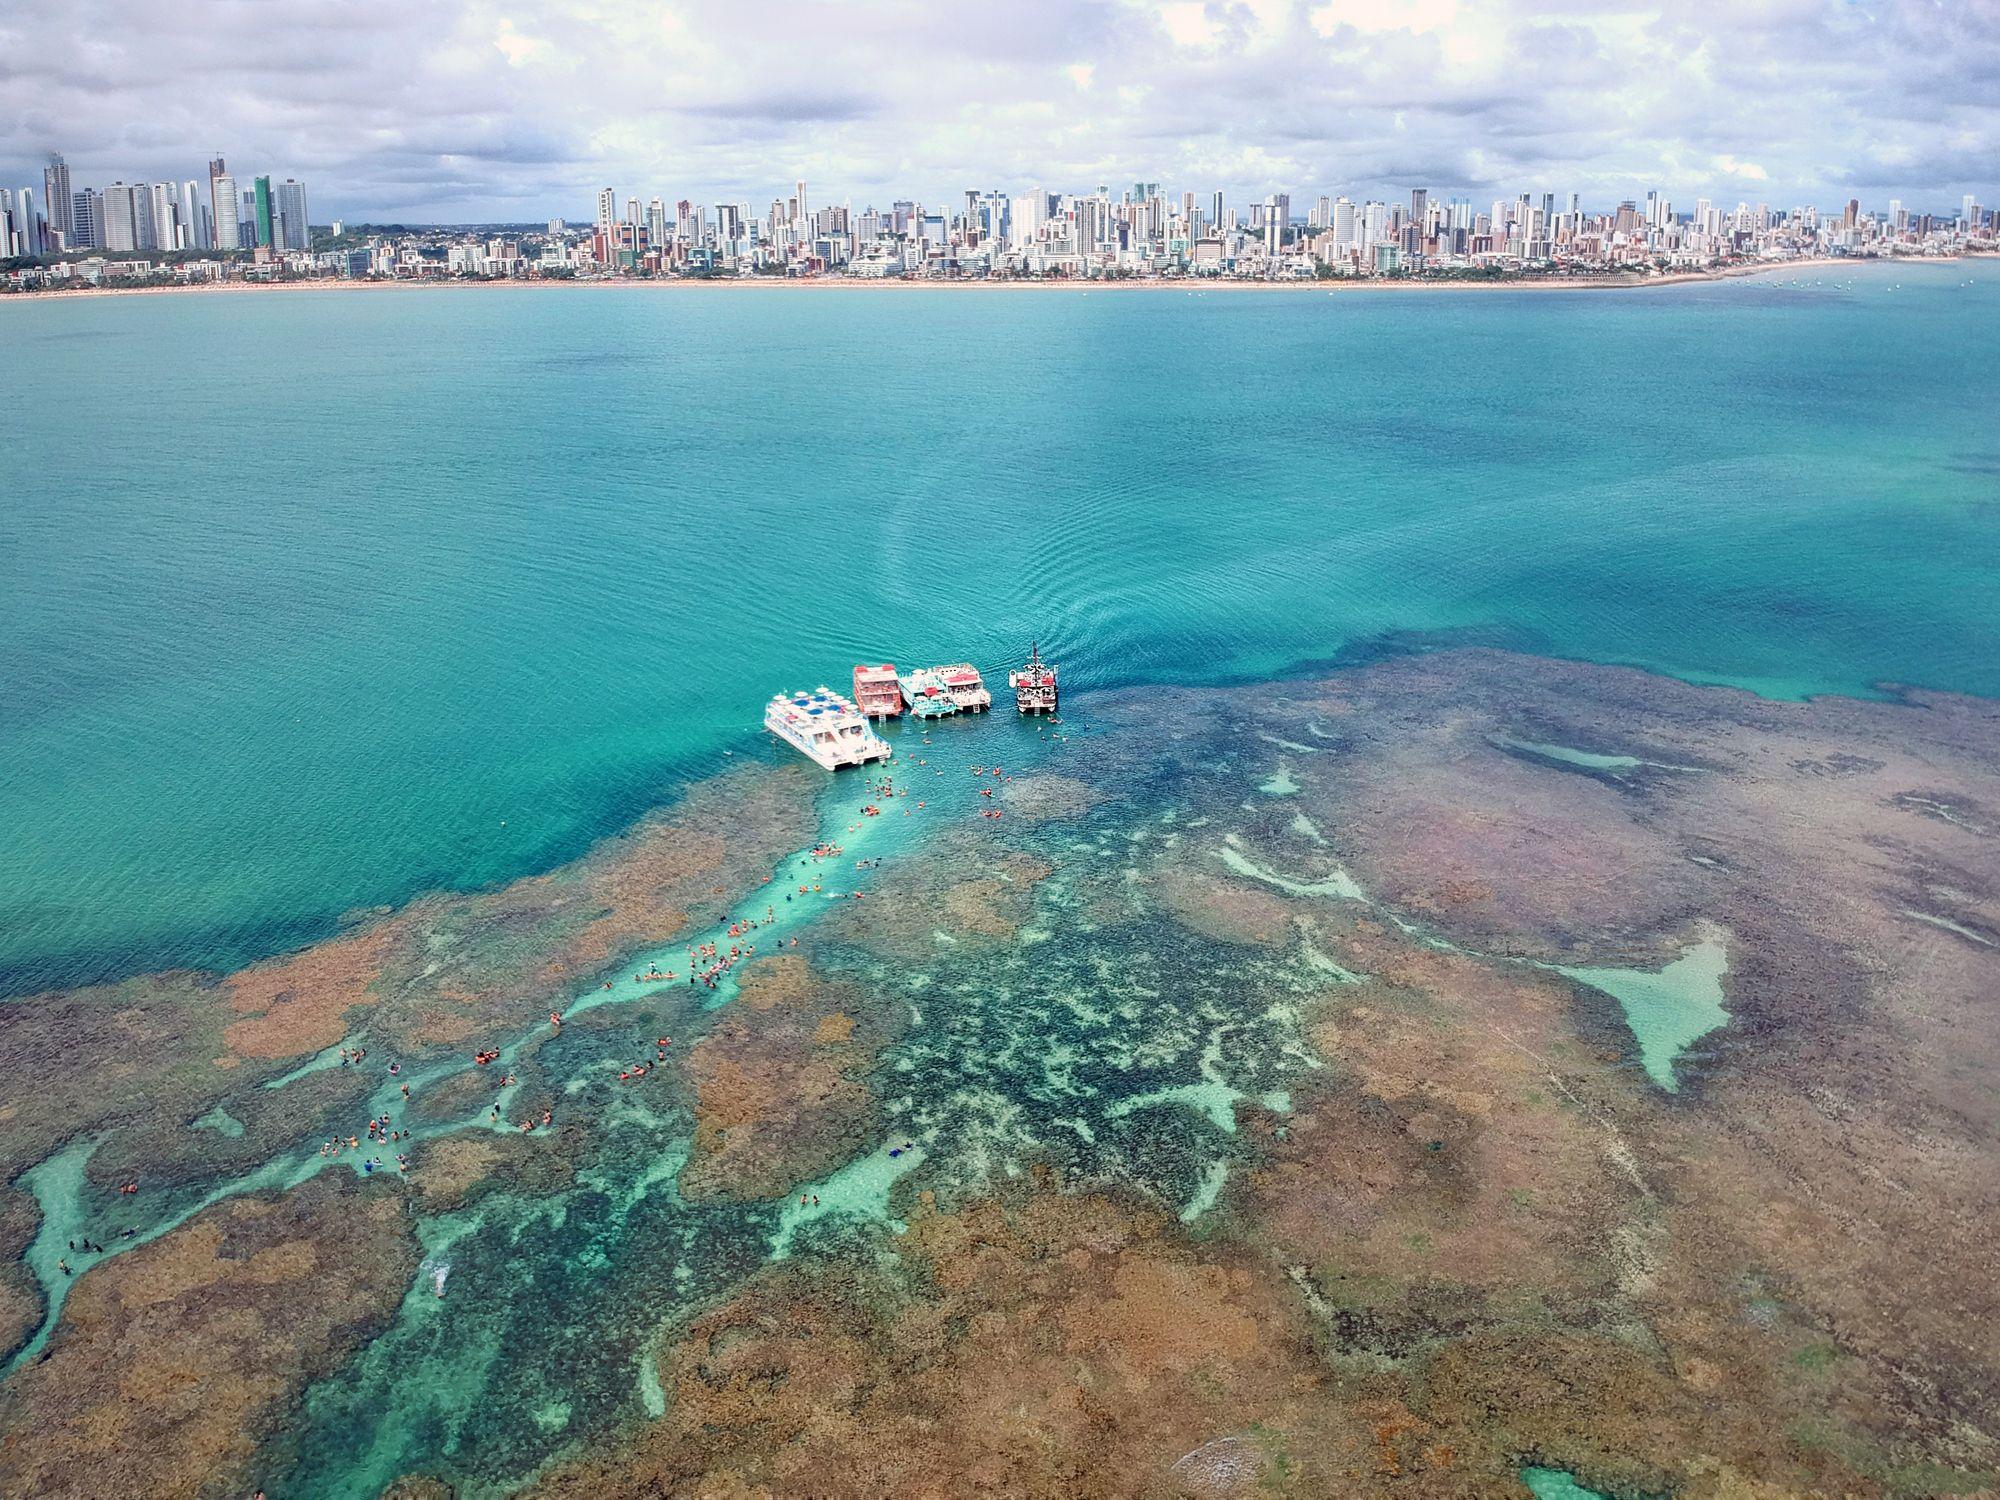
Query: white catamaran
(826, 728)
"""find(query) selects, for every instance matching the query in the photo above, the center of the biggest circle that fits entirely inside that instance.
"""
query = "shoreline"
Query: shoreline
(1601, 283)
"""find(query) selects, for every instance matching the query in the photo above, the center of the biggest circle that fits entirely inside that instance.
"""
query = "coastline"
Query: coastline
(844, 283)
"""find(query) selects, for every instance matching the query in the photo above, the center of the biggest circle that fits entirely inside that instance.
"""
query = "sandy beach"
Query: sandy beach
(1188, 285)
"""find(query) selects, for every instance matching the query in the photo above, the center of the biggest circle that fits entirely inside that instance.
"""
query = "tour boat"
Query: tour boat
(1035, 684)
(926, 694)
(876, 692)
(826, 728)
(966, 687)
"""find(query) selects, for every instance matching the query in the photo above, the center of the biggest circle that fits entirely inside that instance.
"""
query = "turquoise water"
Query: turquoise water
(1668, 1009)
(1555, 1484)
(1124, 1061)
(312, 601)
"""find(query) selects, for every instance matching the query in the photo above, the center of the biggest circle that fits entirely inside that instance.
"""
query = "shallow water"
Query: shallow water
(1668, 1009)
(1556, 1484)
(407, 630)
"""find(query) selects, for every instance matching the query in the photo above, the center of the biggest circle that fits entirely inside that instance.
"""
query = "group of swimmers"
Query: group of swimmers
(381, 1132)
(639, 1070)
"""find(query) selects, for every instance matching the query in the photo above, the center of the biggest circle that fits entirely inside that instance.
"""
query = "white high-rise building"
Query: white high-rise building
(26, 231)
(128, 220)
(222, 204)
(166, 217)
(607, 207)
(199, 222)
(1343, 223)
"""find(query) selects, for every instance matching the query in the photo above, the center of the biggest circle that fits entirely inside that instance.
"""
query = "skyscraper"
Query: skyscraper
(262, 188)
(26, 228)
(87, 219)
(222, 203)
(121, 228)
(164, 201)
(607, 208)
(56, 194)
(196, 220)
(294, 233)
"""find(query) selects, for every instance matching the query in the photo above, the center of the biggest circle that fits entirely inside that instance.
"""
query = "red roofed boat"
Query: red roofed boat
(876, 691)
(1035, 684)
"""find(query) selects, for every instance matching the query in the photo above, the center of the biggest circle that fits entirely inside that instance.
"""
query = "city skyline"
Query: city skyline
(459, 112)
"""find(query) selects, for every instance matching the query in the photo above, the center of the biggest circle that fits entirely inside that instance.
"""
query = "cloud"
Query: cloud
(517, 109)
(1188, 24)
(1748, 170)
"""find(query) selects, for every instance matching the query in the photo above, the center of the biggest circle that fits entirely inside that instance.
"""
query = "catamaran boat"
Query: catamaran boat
(926, 694)
(825, 728)
(876, 691)
(1035, 684)
(966, 687)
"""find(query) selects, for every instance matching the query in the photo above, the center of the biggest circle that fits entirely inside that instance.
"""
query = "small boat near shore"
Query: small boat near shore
(1034, 685)
(825, 728)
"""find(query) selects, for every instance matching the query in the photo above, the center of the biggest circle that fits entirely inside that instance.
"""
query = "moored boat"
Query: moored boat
(966, 687)
(825, 728)
(925, 692)
(1035, 684)
(876, 691)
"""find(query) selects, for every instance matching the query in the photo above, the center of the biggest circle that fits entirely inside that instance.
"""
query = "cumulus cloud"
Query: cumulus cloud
(516, 109)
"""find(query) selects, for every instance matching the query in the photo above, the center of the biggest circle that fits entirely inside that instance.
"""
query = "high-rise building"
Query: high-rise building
(25, 229)
(294, 231)
(607, 207)
(87, 218)
(196, 220)
(163, 200)
(124, 225)
(222, 203)
(56, 194)
(265, 229)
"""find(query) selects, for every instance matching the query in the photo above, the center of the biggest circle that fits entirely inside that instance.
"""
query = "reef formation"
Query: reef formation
(1420, 1080)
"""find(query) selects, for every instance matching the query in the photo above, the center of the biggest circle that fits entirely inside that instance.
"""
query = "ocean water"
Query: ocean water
(313, 601)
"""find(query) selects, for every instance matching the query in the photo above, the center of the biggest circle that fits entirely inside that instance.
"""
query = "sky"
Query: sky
(489, 110)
